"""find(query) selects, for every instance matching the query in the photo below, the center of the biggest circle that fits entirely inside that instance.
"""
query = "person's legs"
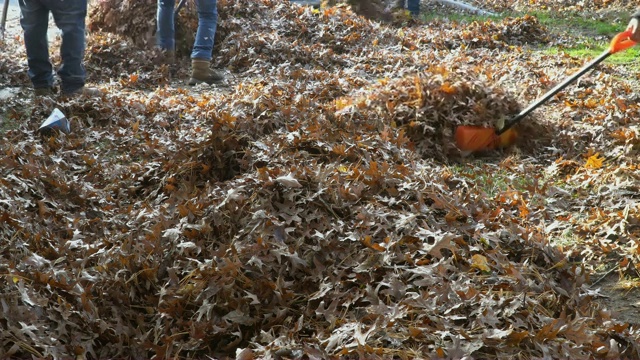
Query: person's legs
(203, 46)
(207, 23)
(414, 7)
(69, 16)
(166, 33)
(34, 18)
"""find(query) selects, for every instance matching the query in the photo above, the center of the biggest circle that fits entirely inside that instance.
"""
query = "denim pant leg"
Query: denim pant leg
(34, 18)
(165, 30)
(414, 7)
(69, 16)
(207, 23)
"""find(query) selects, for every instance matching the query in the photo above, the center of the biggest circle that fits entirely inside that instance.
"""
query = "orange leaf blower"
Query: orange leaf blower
(477, 138)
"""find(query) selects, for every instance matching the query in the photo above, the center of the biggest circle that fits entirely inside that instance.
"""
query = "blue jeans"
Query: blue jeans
(414, 7)
(69, 16)
(207, 23)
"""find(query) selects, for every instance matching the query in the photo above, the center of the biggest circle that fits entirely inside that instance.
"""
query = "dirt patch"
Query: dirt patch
(620, 298)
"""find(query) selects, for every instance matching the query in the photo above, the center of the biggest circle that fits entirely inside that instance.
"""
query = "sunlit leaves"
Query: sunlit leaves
(594, 162)
(317, 207)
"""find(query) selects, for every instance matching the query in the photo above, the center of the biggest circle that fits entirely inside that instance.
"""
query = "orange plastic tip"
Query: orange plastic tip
(476, 138)
(621, 42)
(507, 138)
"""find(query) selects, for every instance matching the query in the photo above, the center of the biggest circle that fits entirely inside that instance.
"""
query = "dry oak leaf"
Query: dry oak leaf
(480, 262)
(594, 162)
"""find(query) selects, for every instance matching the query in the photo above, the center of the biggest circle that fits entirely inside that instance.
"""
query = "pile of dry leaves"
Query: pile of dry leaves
(317, 207)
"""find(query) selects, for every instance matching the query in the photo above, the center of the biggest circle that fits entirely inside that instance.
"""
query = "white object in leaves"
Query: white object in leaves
(57, 120)
(289, 181)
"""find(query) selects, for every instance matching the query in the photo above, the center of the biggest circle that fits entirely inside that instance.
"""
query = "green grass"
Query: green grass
(582, 24)
(566, 239)
(491, 180)
(7, 123)
(605, 25)
(592, 34)
(588, 51)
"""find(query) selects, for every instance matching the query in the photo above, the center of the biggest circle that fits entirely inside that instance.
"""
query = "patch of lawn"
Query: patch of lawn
(591, 50)
(7, 123)
(576, 24)
(582, 24)
(492, 180)
(593, 35)
(7, 126)
(565, 239)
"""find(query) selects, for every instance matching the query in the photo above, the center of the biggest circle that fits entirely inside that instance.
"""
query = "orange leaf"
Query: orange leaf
(480, 262)
(516, 337)
(624, 262)
(447, 88)
(451, 217)
(414, 332)
(378, 247)
(367, 241)
(594, 162)
(623, 135)
(524, 211)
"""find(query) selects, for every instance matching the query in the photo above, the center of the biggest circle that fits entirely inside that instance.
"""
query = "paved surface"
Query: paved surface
(13, 16)
(13, 21)
(314, 3)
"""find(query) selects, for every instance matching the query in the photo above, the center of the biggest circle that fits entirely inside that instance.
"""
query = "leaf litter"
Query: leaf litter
(316, 207)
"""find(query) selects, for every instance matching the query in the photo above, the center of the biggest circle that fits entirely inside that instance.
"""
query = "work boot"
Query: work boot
(44, 91)
(87, 92)
(201, 73)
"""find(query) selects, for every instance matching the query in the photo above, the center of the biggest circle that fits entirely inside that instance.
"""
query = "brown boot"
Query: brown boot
(45, 91)
(84, 92)
(201, 73)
